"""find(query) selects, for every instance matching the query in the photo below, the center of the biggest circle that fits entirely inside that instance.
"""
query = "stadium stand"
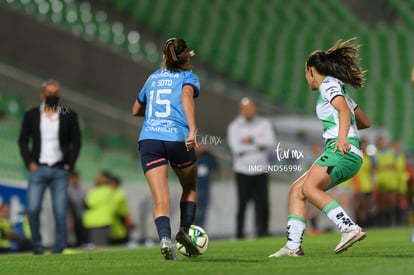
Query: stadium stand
(83, 21)
(262, 44)
(10, 106)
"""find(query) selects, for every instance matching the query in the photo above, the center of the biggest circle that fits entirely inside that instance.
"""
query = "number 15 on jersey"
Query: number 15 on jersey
(166, 102)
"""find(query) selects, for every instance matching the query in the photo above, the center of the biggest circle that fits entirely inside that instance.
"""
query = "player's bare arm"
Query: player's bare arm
(362, 119)
(189, 110)
(138, 109)
(344, 123)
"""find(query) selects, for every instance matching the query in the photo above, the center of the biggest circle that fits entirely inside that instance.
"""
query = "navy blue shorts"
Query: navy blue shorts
(155, 153)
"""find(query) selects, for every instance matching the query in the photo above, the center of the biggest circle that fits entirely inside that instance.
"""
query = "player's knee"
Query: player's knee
(307, 190)
(295, 192)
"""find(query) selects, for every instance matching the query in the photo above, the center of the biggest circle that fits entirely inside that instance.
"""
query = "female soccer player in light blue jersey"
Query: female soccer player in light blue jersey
(168, 136)
(328, 71)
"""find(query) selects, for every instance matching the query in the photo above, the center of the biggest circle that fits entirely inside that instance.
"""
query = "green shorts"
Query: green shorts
(340, 168)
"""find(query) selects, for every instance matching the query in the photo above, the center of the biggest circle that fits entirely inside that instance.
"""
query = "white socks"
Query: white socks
(339, 217)
(296, 225)
(295, 228)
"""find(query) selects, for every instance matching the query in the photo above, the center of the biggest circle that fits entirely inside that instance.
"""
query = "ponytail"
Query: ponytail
(340, 61)
(177, 55)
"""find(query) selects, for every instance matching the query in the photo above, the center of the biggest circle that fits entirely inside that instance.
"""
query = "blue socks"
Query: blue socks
(163, 227)
(188, 210)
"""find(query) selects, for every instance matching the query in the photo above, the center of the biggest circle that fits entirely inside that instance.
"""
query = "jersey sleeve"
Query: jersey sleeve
(192, 79)
(141, 97)
(330, 89)
(351, 103)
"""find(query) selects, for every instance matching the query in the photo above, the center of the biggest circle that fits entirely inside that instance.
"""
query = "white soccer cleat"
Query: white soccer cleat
(349, 238)
(284, 251)
(168, 249)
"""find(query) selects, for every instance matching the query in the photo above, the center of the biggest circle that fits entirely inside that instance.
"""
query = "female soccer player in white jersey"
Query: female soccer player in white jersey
(328, 71)
(168, 136)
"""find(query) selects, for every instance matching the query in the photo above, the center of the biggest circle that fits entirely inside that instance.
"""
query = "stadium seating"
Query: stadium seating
(265, 43)
(261, 43)
(11, 110)
(10, 161)
(82, 20)
(10, 106)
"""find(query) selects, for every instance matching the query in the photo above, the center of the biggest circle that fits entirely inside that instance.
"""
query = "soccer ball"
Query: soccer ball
(199, 237)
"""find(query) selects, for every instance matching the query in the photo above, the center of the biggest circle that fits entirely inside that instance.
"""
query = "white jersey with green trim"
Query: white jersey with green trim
(330, 88)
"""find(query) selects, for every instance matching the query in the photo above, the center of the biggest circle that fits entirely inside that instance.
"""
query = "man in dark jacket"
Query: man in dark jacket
(49, 144)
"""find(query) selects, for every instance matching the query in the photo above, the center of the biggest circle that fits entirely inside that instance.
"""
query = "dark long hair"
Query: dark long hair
(177, 55)
(340, 61)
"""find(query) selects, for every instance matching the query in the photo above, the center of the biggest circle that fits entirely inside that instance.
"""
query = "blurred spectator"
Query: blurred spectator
(207, 165)
(410, 193)
(11, 240)
(98, 215)
(386, 182)
(49, 142)
(401, 176)
(250, 138)
(363, 187)
(122, 221)
(76, 207)
(22, 228)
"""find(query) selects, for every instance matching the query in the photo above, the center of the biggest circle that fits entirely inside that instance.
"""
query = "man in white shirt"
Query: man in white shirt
(251, 138)
(49, 144)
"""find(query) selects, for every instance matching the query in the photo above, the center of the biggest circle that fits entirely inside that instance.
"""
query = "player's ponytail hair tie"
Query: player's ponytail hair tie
(186, 53)
(177, 54)
(169, 46)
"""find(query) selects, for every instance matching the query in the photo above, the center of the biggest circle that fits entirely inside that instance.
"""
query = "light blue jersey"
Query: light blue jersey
(164, 114)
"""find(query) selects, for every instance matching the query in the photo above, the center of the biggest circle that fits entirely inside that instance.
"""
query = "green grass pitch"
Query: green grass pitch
(384, 251)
